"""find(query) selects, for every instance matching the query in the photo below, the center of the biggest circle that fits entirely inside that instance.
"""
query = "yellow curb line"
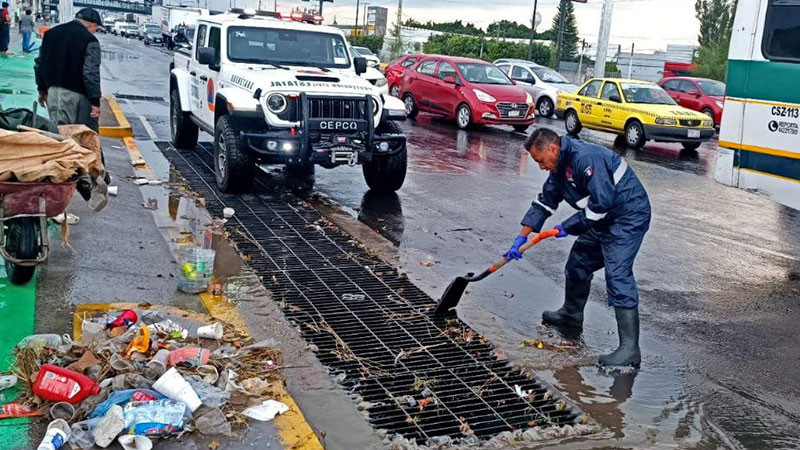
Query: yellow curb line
(294, 431)
(124, 129)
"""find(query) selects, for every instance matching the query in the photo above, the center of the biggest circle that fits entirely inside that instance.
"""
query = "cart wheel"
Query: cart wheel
(22, 242)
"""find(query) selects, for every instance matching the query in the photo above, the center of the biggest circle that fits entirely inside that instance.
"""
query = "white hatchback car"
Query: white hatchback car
(543, 83)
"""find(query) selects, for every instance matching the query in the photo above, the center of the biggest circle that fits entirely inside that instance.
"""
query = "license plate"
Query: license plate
(694, 133)
(513, 114)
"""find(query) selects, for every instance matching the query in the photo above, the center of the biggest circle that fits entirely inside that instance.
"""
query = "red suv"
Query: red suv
(395, 71)
(470, 91)
(699, 94)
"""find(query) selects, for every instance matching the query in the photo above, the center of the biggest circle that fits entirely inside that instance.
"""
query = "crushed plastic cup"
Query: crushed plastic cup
(63, 411)
(7, 381)
(266, 411)
(82, 436)
(57, 435)
(109, 427)
(213, 331)
(175, 387)
(121, 364)
(228, 213)
(113, 190)
(133, 442)
(158, 365)
(209, 373)
(92, 332)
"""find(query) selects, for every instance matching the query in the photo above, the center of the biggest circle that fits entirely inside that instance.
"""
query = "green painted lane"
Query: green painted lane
(17, 312)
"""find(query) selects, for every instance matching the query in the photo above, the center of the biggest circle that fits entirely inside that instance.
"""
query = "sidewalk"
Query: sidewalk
(17, 84)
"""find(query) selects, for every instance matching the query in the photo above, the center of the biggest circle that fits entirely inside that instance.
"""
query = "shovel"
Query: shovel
(452, 295)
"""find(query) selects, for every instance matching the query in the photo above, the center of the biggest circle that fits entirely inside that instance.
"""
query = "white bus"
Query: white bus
(760, 135)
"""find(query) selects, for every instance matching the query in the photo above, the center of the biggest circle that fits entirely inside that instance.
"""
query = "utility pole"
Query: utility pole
(276, 6)
(580, 63)
(320, 6)
(602, 39)
(399, 14)
(560, 32)
(365, 18)
(533, 30)
(630, 62)
(355, 27)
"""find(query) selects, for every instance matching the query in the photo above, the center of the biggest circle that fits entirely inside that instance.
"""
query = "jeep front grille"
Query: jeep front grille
(337, 108)
(690, 123)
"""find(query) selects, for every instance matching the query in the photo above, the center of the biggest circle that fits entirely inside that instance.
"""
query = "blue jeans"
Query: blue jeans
(26, 41)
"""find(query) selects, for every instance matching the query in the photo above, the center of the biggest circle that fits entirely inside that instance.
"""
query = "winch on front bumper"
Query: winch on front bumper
(332, 131)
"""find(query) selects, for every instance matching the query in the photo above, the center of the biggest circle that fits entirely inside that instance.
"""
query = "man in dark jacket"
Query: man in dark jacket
(612, 219)
(68, 71)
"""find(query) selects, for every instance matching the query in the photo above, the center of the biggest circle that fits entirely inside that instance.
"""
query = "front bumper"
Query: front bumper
(315, 142)
(660, 133)
(489, 114)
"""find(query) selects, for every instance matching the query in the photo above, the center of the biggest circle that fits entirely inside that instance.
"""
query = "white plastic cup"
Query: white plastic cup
(62, 410)
(209, 373)
(113, 190)
(228, 212)
(57, 435)
(175, 387)
(213, 331)
(135, 442)
(158, 365)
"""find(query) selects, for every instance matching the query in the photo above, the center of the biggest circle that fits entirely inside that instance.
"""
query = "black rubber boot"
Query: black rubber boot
(627, 354)
(571, 313)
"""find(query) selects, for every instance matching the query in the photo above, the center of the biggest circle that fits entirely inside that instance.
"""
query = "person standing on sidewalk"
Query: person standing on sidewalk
(26, 25)
(68, 71)
(5, 29)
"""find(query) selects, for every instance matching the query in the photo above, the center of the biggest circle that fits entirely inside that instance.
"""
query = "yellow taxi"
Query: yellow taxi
(638, 110)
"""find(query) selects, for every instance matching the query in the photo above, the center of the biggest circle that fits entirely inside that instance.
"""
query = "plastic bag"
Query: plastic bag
(154, 418)
(266, 411)
(140, 342)
(82, 436)
(123, 397)
(210, 395)
(213, 422)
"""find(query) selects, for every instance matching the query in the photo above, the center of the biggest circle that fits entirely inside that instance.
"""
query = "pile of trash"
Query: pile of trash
(134, 377)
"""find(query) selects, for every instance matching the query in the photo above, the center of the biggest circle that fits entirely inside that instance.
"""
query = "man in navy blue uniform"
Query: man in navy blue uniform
(612, 219)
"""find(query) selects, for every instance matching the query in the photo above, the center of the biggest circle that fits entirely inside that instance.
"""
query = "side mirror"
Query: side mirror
(206, 55)
(450, 80)
(360, 64)
(615, 98)
(695, 93)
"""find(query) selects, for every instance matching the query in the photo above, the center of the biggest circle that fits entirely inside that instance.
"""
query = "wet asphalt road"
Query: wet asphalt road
(718, 273)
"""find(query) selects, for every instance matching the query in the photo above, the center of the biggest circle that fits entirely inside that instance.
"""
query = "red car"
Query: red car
(698, 94)
(470, 91)
(395, 71)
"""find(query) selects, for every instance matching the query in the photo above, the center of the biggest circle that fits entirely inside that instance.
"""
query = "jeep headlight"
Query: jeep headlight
(276, 103)
(483, 96)
(380, 82)
(666, 121)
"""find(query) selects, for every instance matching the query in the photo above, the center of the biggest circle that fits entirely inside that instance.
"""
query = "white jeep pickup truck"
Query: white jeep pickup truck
(274, 91)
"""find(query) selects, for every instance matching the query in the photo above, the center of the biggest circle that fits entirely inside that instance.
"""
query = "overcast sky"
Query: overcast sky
(651, 24)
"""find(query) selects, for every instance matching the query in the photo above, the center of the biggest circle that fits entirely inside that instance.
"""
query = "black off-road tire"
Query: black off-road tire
(386, 173)
(22, 237)
(184, 131)
(233, 167)
(572, 123)
(634, 135)
(691, 146)
(411, 105)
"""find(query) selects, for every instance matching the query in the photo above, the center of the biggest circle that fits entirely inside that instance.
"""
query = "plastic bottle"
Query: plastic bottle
(57, 384)
(127, 319)
(58, 434)
(40, 341)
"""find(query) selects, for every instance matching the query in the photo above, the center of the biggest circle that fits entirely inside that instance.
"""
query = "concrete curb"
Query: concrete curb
(123, 129)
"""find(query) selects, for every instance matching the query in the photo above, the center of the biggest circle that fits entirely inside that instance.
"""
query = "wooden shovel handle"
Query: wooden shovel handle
(536, 239)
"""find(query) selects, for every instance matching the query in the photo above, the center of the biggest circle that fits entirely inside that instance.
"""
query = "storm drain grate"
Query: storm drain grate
(420, 378)
(141, 98)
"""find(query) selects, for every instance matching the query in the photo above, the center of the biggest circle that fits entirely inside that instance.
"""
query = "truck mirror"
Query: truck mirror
(360, 64)
(206, 55)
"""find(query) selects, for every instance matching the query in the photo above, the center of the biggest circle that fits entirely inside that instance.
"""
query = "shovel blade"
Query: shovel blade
(451, 297)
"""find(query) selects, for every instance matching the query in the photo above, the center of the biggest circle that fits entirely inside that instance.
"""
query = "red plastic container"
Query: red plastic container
(127, 318)
(57, 384)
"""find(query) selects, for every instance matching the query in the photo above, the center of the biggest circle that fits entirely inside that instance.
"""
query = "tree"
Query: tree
(457, 27)
(716, 23)
(478, 47)
(570, 38)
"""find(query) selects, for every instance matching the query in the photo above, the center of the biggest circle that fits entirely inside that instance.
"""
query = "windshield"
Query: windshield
(482, 73)
(549, 75)
(153, 29)
(363, 51)
(293, 47)
(645, 93)
(713, 88)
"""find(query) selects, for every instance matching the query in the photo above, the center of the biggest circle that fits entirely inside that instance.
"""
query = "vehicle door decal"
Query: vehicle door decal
(210, 92)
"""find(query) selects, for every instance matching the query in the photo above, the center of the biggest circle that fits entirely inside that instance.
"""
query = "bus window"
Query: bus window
(782, 31)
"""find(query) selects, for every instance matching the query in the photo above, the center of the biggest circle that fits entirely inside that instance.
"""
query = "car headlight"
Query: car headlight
(719, 103)
(665, 121)
(483, 96)
(706, 124)
(277, 103)
(528, 99)
(380, 82)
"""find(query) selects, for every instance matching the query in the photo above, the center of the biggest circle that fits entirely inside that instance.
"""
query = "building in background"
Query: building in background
(377, 20)
(650, 66)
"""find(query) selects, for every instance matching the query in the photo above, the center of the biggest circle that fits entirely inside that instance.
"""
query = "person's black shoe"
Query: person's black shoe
(571, 313)
(628, 353)
(84, 187)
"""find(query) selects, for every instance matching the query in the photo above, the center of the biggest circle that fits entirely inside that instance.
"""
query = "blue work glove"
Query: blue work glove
(514, 253)
(561, 232)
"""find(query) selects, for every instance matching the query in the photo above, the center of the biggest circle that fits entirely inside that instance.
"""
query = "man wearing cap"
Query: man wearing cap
(68, 71)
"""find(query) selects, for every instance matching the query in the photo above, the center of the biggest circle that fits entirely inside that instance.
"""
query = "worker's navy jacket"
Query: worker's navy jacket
(597, 182)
